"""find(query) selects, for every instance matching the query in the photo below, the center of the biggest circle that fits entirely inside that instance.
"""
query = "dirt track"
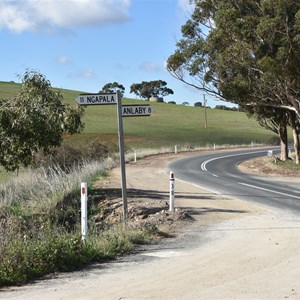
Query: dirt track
(234, 250)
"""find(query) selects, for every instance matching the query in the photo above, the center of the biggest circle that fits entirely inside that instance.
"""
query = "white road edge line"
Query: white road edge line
(267, 190)
(203, 165)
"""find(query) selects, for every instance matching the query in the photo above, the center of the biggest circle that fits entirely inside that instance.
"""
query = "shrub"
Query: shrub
(67, 156)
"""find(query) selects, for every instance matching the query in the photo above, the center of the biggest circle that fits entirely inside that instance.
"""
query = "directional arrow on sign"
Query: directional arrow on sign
(136, 110)
(97, 99)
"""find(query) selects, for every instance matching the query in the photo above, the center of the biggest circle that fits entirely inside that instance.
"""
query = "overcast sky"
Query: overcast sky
(84, 44)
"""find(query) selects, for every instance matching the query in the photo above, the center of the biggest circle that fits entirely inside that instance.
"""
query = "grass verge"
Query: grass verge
(29, 256)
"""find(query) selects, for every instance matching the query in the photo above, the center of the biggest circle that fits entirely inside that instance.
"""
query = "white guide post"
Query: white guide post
(172, 192)
(175, 150)
(135, 156)
(84, 227)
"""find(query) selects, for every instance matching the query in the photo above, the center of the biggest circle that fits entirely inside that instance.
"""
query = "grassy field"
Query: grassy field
(168, 125)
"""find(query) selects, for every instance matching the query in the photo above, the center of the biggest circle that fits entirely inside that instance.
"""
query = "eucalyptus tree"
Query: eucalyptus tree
(148, 89)
(113, 87)
(34, 120)
(243, 51)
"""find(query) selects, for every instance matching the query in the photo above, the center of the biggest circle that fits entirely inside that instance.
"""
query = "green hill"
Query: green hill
(168, 125)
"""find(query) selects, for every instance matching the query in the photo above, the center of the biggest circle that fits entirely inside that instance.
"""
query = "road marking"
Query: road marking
(267, 190)
(203, 165)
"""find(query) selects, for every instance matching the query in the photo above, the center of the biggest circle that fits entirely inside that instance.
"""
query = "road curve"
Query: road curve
(219, 172)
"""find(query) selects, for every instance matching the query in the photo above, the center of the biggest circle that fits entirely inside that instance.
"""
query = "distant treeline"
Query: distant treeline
(224, 107)
(199, 104)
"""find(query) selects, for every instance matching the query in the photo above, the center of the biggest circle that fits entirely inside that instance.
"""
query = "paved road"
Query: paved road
(219, 172)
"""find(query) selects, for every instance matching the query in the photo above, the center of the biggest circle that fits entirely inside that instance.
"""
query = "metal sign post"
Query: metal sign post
(122, 156)
(123, 111)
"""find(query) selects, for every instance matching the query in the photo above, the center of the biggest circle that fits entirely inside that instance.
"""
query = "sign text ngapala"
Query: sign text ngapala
(97, 99)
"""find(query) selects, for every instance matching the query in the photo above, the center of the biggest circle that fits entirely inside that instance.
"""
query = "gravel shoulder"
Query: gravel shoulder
(232, 250)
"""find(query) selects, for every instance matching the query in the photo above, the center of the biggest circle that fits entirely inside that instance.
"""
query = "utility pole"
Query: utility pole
(205, 115)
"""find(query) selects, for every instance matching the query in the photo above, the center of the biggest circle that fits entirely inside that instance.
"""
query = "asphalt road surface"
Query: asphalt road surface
(219, 172)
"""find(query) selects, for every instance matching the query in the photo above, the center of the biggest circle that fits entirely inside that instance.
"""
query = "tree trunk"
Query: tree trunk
(283, 141)
(296, 145)
(296, 138)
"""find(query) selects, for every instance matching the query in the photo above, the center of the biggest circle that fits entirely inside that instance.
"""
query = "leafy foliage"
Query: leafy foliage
(113, 87)
(242, 51)
(34, 120)
(148, 89)
(245, 52)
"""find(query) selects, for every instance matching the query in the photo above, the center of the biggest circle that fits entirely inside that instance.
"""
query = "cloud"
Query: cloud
(122, 67)
(63, 60)
(87, 74)
(50, 15)
(150, 67)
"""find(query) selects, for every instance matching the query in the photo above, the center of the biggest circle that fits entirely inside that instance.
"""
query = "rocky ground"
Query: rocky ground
(145, 206)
